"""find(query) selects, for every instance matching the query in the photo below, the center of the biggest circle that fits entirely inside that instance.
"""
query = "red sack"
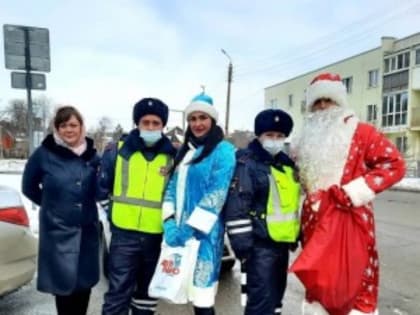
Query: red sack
(333, 260)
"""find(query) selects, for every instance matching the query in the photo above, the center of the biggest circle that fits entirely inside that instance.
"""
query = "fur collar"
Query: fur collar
(50, 144)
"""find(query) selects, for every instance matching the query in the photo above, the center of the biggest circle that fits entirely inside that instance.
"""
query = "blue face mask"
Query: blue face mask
(272, 146)
(150, 137)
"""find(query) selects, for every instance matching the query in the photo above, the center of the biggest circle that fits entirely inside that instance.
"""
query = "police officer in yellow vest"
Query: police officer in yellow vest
(133, 175)
(261, 212)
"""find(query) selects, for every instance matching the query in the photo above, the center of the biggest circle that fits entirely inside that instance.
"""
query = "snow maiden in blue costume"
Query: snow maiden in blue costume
(195, 196)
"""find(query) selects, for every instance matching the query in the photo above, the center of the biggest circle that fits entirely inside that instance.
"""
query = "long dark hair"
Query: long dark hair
(210, 141)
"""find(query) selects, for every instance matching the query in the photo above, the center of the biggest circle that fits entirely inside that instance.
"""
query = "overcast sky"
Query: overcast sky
(106, 55)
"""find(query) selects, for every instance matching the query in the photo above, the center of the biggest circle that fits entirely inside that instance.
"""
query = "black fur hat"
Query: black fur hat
(150, 106)
(273, 120)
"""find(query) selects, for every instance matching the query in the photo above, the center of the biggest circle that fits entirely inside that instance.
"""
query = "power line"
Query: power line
(350, 28)
(323, 46)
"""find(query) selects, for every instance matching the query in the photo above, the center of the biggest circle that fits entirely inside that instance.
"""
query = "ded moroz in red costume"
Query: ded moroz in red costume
(343, 164)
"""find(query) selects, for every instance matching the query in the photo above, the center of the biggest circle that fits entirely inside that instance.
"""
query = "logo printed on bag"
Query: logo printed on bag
(171, 264)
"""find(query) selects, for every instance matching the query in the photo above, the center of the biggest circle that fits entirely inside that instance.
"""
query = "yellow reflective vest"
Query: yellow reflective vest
(282, 214)
(138, 192)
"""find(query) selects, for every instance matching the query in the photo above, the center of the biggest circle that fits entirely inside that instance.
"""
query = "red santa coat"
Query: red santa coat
(373, 164)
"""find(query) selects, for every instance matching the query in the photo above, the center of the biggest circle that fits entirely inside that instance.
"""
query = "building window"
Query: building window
(401, 143)
(303, 106)
(394, 110)
(418, 56)
(373, 78)
(396, 81)
(386, 66)
(290, 100)
(407, 60)
(371, 113)
(397, 62)
(348, 82)
(273, 103)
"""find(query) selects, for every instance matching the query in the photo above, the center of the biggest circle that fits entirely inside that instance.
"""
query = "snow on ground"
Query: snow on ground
(11, 175)
(409, 183)
(12, 165)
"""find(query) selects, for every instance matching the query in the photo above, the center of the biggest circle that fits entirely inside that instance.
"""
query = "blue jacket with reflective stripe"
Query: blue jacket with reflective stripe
(249, 191)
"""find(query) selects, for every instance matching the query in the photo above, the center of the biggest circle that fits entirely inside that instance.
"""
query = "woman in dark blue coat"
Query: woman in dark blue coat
(60, 177)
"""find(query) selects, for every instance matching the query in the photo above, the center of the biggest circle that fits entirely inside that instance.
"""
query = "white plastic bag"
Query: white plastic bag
(174, 272)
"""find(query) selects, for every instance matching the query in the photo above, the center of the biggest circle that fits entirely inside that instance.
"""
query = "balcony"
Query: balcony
(415, 118)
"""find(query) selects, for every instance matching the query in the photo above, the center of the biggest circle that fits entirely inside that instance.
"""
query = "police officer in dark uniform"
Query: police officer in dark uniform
(262, 212)
(133, 176)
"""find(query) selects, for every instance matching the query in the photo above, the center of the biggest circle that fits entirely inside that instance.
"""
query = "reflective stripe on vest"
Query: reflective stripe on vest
(282, 214)
(138, 192)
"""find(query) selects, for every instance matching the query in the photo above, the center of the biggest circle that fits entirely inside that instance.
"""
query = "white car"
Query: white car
(18, 246)
(228, 259)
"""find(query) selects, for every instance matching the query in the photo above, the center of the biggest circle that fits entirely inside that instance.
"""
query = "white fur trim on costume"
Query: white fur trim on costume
(359, 192)
(204, 297)
(168, 209)
(356, 312)
(313, 308)
(202, 219)
(334, 90)
(198, 106)
(315, 206)
(181, 182)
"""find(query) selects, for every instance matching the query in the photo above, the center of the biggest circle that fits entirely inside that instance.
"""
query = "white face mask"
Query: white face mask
(150, 137)
(272, 146)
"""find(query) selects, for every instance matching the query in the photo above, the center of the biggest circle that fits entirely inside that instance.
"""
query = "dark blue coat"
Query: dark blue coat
(249, 192)
(64, 186)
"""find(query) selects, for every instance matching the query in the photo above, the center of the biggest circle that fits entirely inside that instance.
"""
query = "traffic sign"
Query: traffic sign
(22, 41)
(37, 80)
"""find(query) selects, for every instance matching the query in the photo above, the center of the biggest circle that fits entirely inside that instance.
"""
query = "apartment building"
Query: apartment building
(383, 86)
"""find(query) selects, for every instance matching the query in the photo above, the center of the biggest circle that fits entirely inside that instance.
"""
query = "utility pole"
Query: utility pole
(229, 81)
(28, 92)
(27, 48)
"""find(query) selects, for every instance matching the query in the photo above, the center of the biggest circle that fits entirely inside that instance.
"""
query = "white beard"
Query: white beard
(323, 147)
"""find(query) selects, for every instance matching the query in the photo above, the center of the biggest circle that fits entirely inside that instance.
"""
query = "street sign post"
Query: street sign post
(18, 39)
(37, 80)
(27, 48)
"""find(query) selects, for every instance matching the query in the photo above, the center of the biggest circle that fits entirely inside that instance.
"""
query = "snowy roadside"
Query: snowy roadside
(408, 184)
(12, 166)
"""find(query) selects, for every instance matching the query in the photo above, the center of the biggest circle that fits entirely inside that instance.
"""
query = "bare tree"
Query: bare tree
(42, 112)
(14, 119)
(100, 133)
(117, 133)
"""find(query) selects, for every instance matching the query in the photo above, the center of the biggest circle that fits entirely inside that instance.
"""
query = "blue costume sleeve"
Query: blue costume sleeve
(207, 211)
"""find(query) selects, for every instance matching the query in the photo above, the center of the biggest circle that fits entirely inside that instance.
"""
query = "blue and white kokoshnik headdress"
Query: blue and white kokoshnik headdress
(202, 103)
